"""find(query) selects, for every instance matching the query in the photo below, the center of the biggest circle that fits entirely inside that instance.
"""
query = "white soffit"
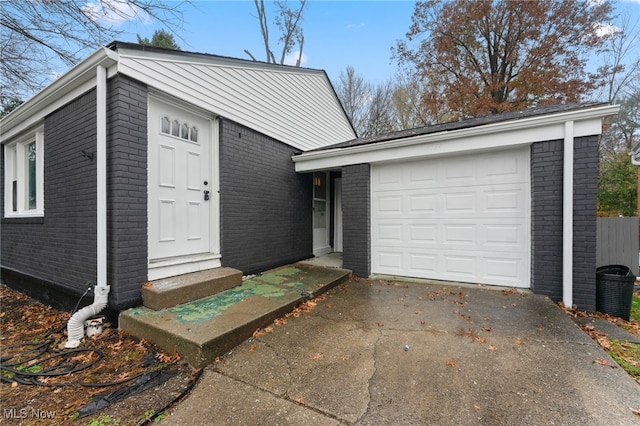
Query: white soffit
(587, 121)
(294, 105)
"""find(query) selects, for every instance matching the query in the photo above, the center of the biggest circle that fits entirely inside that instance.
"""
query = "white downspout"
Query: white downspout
(75, 326)
(567, 217)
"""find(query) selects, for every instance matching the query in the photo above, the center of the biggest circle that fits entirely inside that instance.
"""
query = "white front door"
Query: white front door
(180, 182)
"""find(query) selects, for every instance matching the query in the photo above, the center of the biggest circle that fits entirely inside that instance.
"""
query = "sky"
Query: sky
(337, 33)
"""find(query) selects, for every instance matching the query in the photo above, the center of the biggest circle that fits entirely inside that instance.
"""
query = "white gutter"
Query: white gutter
(567, 217)
(75, 326)
(78, 80)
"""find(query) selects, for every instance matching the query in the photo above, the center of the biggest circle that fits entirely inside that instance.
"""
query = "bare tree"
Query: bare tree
(407, 102)
(621, 84)
(380, 116)
(353, 92)
(620, 59)
(288, 21)
(370, 107)
(39, 37)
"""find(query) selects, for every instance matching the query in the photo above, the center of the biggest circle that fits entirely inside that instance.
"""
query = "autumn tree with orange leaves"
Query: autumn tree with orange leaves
(484, 57)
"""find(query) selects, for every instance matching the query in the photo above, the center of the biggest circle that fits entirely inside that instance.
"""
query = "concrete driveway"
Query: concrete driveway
(396, 353)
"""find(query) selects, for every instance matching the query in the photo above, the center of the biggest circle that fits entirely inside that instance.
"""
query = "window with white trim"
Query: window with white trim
(179, 129)
(24, 176)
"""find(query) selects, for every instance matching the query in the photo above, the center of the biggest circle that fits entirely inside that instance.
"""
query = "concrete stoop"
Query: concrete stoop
(172, 291)
(204, 329)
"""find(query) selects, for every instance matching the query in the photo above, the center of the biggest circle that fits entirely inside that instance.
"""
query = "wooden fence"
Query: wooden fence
(617, 242)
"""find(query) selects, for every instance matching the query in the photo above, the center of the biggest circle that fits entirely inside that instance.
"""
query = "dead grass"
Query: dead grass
(626, 354)
(31, 335)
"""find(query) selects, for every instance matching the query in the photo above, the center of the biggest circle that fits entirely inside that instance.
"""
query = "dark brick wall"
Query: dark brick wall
(127, 190)
(356, 219)
(546, 221)
(546, 218)
(52, 258)
(61, 248)
(266, 207)
(585, 181)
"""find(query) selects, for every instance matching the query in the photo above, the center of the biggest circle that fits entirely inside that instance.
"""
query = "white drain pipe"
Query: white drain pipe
(75, 326)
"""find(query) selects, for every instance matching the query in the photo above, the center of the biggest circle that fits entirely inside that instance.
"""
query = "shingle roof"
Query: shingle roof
(464, 124)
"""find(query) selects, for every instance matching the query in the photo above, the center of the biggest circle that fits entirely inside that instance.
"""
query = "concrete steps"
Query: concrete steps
(204, 329)
(172, 291)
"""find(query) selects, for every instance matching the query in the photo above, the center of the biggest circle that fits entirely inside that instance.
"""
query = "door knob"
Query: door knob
(206, 195)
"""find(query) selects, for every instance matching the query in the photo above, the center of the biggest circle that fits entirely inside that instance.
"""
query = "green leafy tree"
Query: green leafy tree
(160, 38)
(617, 186)
(8, 104)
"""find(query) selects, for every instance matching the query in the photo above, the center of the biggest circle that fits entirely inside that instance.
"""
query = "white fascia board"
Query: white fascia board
(208, 59)
(479, 138)
(78, 80)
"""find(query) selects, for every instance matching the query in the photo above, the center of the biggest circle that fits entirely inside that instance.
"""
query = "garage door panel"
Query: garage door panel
(422, 263)
(388, 233)
(459, 266)
(423, 233)
(504, 235)
(418, 175)
(390, 260)
(497, 236)
(460, 218)
(455, 235)
(459, 203)
(502, 269)
(423, 203)
(506, 201)
(390, 204)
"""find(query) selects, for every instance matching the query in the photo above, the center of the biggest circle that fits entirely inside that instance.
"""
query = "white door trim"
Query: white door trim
(337, 216)
(321, 244)
(210, 257)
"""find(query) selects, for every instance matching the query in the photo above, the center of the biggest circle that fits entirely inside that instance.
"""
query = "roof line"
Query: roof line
(481, 129)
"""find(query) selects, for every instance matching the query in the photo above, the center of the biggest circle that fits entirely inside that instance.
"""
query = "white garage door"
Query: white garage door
(463, 218)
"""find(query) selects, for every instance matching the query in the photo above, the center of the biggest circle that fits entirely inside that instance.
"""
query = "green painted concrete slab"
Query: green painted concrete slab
(206, 328)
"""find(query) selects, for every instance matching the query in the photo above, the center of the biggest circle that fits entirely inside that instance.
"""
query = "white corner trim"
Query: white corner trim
(567, 216)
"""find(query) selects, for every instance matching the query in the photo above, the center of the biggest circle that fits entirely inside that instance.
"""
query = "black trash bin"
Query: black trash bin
(614, 290)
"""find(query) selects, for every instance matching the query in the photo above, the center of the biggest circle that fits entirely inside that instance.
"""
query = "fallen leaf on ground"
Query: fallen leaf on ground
(452, 363)
(603, 362)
